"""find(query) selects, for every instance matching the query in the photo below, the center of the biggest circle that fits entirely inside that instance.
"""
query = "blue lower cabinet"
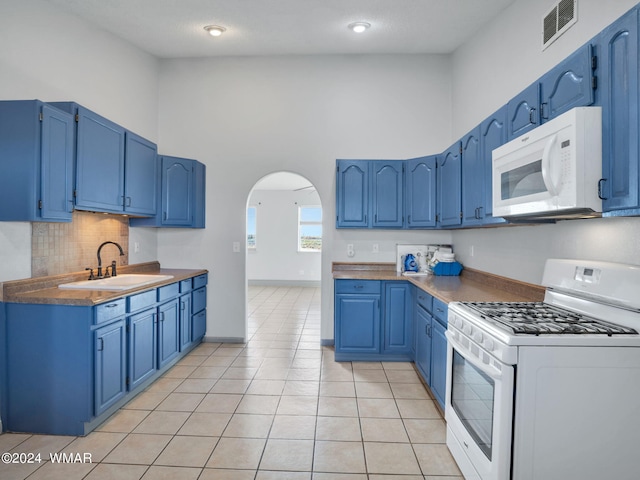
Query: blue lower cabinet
(357, 324)
(438, 362)
(185, 321)
(398, 323)
(111, 358)
(168, 332)
(422, 332)
(199, 325)
(142, 347)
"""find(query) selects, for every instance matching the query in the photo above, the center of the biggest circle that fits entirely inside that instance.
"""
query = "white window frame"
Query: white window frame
(301, 223)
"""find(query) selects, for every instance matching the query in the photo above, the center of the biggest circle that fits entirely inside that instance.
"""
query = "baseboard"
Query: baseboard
(283, 283)
(327, 342)
(223, 340)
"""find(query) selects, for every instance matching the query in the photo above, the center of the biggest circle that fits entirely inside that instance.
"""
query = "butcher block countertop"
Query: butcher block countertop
(44, 290)
(470, 286)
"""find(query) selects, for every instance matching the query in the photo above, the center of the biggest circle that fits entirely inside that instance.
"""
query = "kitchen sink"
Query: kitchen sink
(120, 282)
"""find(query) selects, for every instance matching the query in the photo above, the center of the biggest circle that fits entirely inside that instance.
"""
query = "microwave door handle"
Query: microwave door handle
(488, 370)
(552, 188)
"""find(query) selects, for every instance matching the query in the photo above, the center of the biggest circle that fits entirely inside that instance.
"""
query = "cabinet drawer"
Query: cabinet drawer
(358, 286)
(425, 300)
(141, 300)
(200, 281)
(199, 300)
(110, 310)
(186, 285)
(168, 291)
(440, 311)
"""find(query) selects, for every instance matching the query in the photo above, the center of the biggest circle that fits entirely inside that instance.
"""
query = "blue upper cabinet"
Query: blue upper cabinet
(177, 191)
(617, 49)
(570, 84)
(523, 111)
(199, 194)
(352, 193)
(99, 163)
(141, 169)
(493, 133)
(449, 184)
(472, 179)
(420, 192)
(387, 196)
(36, 162)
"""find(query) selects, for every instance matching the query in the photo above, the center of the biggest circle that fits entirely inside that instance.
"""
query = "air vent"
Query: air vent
(558, 20)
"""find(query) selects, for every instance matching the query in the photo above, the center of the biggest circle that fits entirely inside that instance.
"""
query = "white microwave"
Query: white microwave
(552, 171)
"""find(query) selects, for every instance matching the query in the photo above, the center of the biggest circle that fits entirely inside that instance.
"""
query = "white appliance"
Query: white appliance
(553, 170)
(549, 390)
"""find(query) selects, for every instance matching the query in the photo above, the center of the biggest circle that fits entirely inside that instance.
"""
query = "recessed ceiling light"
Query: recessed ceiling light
(359, 27)
(215, 30)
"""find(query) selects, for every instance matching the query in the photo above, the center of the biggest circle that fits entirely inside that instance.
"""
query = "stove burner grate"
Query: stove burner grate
(536, 318)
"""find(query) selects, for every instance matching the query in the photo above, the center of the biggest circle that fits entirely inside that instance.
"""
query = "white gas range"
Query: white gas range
(549, 390)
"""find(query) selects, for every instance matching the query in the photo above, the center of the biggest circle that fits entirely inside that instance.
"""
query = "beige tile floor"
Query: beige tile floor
(278, 407)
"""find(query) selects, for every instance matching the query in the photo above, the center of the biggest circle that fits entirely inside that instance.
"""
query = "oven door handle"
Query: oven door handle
(489, 370)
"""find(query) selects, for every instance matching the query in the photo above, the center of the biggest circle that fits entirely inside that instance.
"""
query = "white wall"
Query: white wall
(276, 257)
(246, 117)
(498, 63)
(50, 55)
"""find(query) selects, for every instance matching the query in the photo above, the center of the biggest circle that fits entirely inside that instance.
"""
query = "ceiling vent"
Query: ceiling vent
(558, 20)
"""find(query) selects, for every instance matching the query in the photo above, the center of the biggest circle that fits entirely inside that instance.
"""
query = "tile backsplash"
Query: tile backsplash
(71, 247)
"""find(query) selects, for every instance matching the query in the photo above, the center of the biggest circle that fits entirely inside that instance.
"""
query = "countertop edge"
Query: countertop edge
(471, 285)
(45, 291)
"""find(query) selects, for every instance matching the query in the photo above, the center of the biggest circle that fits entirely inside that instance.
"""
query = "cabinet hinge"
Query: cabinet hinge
(77, 118)
(594, 82)
(41, 116)
(75, 193)
(40, 204)
(594, 62)
(460, 149)
(460, 214)
(337, 169)
(127, 381)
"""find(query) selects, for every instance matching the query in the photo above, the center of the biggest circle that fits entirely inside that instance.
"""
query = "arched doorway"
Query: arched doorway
(283, 249)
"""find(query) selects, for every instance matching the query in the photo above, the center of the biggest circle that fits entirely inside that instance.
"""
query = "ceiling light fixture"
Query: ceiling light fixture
(359, 27)
(215, 30)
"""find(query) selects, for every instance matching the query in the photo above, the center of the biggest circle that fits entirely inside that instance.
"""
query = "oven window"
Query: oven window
(472, 394)
(522, 181)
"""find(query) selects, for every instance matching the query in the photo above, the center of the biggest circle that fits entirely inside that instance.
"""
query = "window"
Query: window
(309, 229)
(251, 228)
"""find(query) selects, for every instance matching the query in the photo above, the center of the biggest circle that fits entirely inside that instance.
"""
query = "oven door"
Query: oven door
(479, 409)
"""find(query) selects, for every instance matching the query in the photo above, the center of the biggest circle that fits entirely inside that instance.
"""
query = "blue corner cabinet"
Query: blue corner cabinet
(181, 188)
(449, 187)
(115, 168)
(373, 320)
(36, 162)
(70, 367)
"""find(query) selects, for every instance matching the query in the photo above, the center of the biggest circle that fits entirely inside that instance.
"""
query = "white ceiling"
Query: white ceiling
(174, 28)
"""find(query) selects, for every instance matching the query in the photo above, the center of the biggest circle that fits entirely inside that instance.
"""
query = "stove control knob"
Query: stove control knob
(488, 344)
(467, 329)
(477, 336)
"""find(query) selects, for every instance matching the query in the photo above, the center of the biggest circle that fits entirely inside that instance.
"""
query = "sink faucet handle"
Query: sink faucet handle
(91, 277)
(106, 272)
(113, 269)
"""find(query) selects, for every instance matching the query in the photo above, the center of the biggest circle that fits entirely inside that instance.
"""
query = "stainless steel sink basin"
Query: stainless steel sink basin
(120, 282)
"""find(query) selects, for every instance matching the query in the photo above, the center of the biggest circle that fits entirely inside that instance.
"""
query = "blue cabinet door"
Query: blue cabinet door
(199, 194)
(100, 163)
(618, 94)
(423, 343)
(397, 318)
(110, 361)
(420, 192)
(387, 179)
(141, 173)
(352, 193)
(522, 111)
(177, 191)
(472, 180)
(357, 321)
(168, 332)
(569, 84)
(142, 346)
(449, 178)
(438, 362)
(185, 321)
(493, 133)
(36, 162)
(199, 325)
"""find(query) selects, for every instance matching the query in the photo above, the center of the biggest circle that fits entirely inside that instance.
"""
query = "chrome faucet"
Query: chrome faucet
(113, 270)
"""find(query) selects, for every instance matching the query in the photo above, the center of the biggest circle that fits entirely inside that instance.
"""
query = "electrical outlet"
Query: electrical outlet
(471, 251)
(376, 248)
(136, 247)
(350, 251)
(236, 247)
